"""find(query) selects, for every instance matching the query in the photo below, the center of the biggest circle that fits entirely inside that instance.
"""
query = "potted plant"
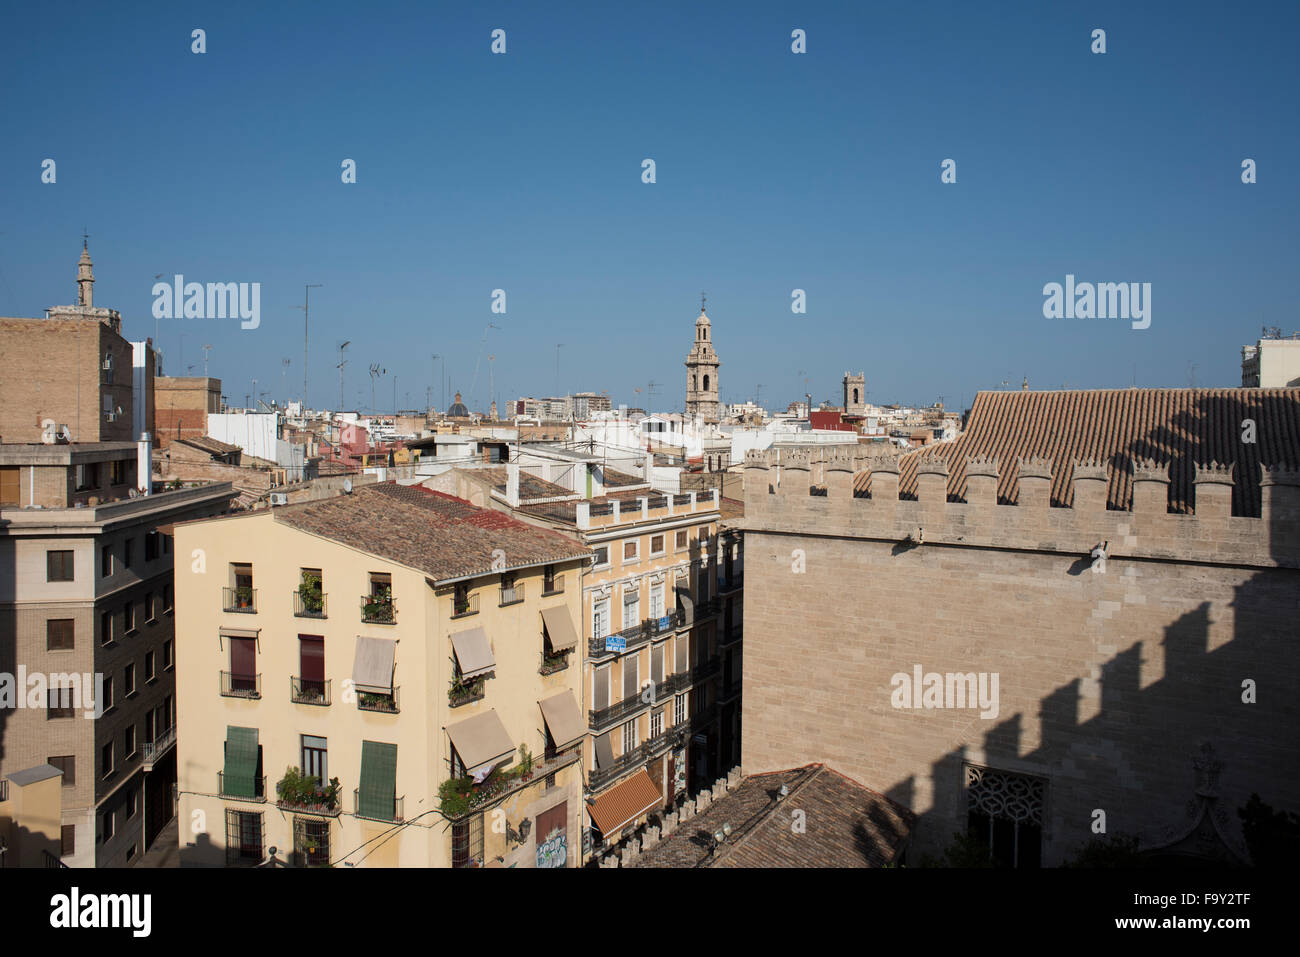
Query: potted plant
(525, 762)
(309, 593)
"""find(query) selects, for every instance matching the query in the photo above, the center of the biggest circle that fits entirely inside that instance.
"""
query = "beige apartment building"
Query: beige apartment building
(414, 656)
(661, 638)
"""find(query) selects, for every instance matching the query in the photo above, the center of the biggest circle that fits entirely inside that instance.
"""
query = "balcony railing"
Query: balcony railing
(554, 663)
(554, 587)
(155, 749)
(512, 595)
(463, 692)
(241, 599)
(378, 610)
(639, 634)
(240, 686)
(373, 701)
(259, 789)
(309, 691)
(499, 785)
(463, 607)
(311, 605)
(646, 751)
(396, 816)
(706, 670)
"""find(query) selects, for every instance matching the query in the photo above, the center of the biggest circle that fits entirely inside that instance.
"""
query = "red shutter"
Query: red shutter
(311, 656)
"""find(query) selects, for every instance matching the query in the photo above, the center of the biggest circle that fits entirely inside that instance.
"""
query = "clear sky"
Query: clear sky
(775, 171)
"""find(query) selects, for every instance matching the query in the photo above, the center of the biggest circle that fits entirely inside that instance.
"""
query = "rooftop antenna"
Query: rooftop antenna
(342, 363)
(375, 372)
(284, 373)
(306, 303)
(206, 349)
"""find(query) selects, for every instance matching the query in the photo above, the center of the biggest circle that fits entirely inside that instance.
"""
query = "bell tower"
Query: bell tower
(702, 372)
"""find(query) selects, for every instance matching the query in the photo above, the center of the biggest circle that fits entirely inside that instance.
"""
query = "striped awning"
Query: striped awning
(624, 803)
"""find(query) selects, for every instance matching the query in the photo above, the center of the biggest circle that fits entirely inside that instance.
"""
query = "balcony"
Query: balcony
(378, 610)
(646, 751)
(395, 818)
(153, 750)
(384, 703)
(554, 587)
(512, 595)
(706, 670)
(638, 634)
(309, 605)
(551, 664)
(259, 790)
(309, 691)
(464, 692)
(241, 599)
(240, 686)
(461, 803)
(464, 606)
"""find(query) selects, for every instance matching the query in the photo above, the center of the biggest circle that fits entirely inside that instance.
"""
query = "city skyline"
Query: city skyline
(227, 167)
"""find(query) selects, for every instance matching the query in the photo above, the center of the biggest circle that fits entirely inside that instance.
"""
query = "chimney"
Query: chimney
(144, 464)
(512, 484)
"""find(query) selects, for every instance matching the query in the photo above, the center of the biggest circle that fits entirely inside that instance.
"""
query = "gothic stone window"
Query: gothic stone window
(1005, 811)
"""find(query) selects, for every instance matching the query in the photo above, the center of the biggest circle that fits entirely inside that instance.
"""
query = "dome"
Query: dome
(457, 409)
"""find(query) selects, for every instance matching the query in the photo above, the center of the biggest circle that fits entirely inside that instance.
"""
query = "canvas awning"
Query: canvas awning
(481, 741)
(559, 628)
(624, 803)
(372, 667)
(239, 632)
(563, 718)
(604, 753)
(239, 775)
(473, 652)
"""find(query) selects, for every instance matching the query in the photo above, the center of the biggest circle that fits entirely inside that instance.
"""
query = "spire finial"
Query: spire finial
(703, 300)
(85, 239)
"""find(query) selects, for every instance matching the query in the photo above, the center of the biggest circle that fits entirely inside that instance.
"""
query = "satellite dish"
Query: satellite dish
(347, 486)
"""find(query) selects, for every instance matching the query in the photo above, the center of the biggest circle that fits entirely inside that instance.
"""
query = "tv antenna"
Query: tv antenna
(375, 372)
(342, 363)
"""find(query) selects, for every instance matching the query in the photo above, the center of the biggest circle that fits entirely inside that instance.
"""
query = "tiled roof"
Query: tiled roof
(530, 486)
(442, 536)
(1118, 427)
(729, 508)
(616, 479)
(847, 825)
(624, 803)
(208, 444)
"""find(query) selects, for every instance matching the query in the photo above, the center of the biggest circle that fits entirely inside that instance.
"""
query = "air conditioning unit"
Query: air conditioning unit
(279, 498)
(110, 416)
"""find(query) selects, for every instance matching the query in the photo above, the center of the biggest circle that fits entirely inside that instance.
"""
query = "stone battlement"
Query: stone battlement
(806, 491)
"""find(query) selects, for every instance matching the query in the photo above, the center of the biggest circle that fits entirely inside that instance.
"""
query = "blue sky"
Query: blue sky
(775, 171)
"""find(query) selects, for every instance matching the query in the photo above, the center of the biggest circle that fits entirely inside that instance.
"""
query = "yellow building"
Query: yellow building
(382, 643)
(661, 631)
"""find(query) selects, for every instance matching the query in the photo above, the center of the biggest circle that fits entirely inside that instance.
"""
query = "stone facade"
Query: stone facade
(702, 373)
(1122, 641)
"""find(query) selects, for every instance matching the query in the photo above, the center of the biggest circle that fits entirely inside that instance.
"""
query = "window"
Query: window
(108, 692)
(128, 748)
(167, 598)
(631, 606)
(58, 634)
(681, 539)
(313, 758)
(105, 560)
(59, 702)
(311, 841)
(67, 763)
(602, 556)
(462, 602)
(128, 680)
(128, 549)
(311, 669)
(117, 472)
(167, 544)
(128, 617)
(548, 580)
(105, 627)
(169, 651)
(631, 550)
(149, 673)
(106, 761)
(242, 595)
(679, 709)
(243, 836)
(107, 824)
(10, 485)
(657, 600)
(87, 476)
(656, 544)
(243, 664)
(150, 615)
(629, 737)
(68, 840)
(467, 842)
(150, 546)
(150, 726)
(600, 619)
(58, 566)
(1005, 812)
(656, 723)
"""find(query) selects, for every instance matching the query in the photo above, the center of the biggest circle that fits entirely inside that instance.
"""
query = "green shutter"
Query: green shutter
(378, 791)
(240, 776)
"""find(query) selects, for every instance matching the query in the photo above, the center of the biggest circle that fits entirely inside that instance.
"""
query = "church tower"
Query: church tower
(702, 373)
(85, 277)
(855, 393)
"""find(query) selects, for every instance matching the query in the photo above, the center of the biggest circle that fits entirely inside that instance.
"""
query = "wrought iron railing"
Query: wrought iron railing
(241, 599)
(159, 746)
(378, 610)
(638, 634)
(511, 595)
(240, 686)
(397, 809)
(259, 789)
(309, 691)
(554, 587)
(375, 701)
(310, 605)
(463, 607)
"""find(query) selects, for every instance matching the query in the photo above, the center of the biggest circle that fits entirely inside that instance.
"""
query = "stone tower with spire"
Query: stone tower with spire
(85, 306)
(85, 277)
(702, 373)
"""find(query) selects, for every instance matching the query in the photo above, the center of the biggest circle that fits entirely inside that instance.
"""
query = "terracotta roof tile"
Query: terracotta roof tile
(1180, 428)
(443, 536)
